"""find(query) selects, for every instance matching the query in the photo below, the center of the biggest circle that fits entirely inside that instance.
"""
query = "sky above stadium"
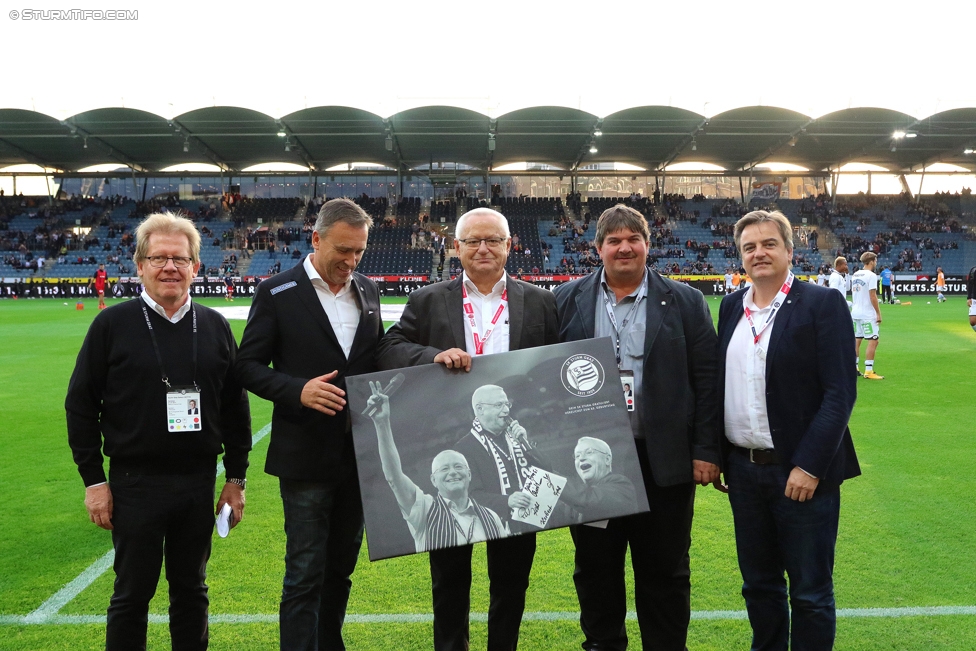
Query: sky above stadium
(385, 57)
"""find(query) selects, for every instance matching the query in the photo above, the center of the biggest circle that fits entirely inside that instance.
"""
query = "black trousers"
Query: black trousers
(509, 564)
(156, 517)
(659, 544)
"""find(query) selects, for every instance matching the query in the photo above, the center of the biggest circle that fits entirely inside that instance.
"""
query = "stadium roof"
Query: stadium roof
(650, 137)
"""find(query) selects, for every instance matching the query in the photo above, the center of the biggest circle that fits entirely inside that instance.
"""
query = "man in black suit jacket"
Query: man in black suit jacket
(667, 352)
(316, 323)
(483, 312)
(788, 387)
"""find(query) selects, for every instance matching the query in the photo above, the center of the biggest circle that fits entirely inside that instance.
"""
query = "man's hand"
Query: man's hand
(519, 500)
(318, 394)
(801, 486)
(378, 405)
(234, 495)
(454, 358)
(98, 501)
(879, 318)
(705, 473)
(518, 433)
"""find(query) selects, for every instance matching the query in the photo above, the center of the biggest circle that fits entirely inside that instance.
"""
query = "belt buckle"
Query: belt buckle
(751, 458)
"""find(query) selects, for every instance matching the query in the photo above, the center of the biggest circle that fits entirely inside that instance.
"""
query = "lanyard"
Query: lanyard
(613, 317)
(777, 303)
(159, 358)
(467, 536)
(479, 343)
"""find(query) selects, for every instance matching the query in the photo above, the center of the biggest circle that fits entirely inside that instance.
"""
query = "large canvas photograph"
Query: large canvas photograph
(529, 440)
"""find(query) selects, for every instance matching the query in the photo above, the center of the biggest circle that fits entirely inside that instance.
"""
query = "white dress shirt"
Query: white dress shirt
(342, 308)
(484, 310)
(158, 309)
(746, 418)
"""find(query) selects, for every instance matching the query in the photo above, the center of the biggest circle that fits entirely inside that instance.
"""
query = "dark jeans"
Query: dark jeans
(773, 535)
(324, 531)
(157, 516)
(659, 544)
(509, 564)
(886, 293)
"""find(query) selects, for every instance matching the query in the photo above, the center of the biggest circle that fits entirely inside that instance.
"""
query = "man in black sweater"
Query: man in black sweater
(141, 364)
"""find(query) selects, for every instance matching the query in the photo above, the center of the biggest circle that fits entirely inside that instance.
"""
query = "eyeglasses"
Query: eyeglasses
(492, 242)
(587, 452)
(497, 405)
(457, 467)
(179, 261)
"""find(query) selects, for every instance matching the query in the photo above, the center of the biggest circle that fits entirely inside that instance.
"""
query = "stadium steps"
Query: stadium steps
(828, 243)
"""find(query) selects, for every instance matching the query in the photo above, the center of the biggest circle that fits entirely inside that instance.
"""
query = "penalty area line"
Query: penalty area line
(424, 618)
(49, 609)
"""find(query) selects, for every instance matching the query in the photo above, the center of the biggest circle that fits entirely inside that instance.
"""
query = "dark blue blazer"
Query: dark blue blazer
(681, 408)
(811, 379)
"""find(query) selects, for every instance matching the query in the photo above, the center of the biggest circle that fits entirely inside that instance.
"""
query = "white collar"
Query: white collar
(497, 288)
(313, 275)
(158, 309)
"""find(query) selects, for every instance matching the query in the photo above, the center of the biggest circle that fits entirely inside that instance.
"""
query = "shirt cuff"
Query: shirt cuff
(808, 474)
(101, 483)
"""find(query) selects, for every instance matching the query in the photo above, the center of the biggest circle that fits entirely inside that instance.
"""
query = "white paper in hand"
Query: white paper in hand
(545, 488)
(223, 520)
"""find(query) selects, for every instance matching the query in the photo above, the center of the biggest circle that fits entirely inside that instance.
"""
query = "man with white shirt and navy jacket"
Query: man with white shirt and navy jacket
(788, 386)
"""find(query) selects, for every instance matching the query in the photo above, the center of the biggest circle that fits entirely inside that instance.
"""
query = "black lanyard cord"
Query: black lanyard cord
(159, 357)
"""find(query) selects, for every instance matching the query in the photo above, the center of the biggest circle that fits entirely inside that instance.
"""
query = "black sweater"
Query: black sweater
(116, 392)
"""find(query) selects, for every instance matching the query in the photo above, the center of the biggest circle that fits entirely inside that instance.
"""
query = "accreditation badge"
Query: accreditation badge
(184, 411)
(627, 384)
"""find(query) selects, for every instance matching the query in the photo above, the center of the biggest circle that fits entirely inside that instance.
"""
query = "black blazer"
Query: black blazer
(433, 321)
(288, 328)
(811, 379)
(681, 408)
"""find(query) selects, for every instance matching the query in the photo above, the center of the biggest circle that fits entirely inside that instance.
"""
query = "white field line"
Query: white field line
(423, 618)
(50, 608)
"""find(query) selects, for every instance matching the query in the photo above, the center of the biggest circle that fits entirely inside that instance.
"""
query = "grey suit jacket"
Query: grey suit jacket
(433, 321)
(682, 414)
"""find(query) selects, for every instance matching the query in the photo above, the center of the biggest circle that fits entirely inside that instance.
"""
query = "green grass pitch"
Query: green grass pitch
(907, 536)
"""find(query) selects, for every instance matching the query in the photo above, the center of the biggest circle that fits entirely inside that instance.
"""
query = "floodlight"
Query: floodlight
(598, 133)
(898, 135)
(282, 134)
(968, 151)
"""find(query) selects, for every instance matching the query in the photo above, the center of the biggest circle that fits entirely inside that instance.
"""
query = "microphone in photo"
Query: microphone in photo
(520, 438)
(388, 391)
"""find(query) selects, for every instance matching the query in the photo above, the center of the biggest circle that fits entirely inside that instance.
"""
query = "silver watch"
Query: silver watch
(240, 482)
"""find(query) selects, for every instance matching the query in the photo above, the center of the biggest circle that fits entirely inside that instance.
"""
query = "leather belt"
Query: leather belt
(758, 457)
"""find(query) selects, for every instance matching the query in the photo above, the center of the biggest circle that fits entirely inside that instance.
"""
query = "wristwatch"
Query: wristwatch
(240, 482)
